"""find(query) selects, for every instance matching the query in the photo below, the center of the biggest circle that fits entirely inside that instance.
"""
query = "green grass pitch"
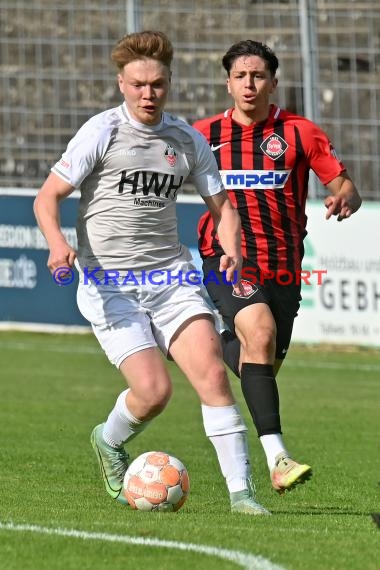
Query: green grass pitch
(55, 388)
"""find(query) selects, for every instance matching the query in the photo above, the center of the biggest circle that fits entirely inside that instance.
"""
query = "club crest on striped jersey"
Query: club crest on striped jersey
(274, 146)
(170, 155)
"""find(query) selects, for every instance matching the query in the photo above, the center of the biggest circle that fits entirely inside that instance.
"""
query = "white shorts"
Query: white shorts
(129, 318)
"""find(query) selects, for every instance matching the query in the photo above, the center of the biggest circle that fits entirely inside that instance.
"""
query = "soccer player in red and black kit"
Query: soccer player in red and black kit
(265, 154)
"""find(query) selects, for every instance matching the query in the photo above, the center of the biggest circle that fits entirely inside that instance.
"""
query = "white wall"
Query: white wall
(345, 307)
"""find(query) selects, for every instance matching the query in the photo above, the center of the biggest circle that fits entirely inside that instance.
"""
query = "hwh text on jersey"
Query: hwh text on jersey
(166, 185)
(252, 179)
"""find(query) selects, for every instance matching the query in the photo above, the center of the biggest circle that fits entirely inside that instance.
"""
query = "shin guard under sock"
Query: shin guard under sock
(260, 391)
(231, 351)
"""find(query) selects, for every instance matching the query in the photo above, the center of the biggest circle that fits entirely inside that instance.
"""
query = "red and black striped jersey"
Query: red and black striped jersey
(265, 168)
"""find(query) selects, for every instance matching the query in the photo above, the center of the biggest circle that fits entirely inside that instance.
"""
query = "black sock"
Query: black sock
(260, 391)
(231, 351)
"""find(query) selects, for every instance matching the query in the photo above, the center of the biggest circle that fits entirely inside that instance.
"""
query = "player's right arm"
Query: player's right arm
(82, 153)
(46, 210)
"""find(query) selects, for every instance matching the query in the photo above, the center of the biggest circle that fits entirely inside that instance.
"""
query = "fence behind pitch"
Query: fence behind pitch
(56, 71)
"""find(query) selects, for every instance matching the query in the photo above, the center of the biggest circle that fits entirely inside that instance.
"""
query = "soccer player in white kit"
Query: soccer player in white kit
(129, 164)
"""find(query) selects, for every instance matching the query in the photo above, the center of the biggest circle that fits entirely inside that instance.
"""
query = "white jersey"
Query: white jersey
(129, 175)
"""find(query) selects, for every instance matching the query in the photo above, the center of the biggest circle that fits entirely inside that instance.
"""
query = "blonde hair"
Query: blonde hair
(139, 45)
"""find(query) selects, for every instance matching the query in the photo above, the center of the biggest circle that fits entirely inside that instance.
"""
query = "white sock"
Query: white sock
(227, 431)
(121, 426)
(272, 445)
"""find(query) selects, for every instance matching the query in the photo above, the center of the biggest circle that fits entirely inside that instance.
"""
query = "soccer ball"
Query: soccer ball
(156, 481)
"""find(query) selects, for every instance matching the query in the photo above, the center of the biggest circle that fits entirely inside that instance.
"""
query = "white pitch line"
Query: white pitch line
(246, 561)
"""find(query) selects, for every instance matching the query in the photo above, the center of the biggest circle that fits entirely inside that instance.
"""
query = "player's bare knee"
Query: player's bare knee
(216, 372)
(152, 395)
(214, 383)
(160, 396)
(262, 340)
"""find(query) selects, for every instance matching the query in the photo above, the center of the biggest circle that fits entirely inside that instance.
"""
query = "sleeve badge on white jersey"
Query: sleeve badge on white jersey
(64, 163)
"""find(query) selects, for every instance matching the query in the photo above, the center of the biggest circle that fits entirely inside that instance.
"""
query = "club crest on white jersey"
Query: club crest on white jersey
(170, 155)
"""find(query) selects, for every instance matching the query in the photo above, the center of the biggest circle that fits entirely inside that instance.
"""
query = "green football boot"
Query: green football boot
(113, 464)
(245, 502)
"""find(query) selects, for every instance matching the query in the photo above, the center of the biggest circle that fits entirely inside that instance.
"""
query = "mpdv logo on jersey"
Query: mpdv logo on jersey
(165, 185)
(252, 179)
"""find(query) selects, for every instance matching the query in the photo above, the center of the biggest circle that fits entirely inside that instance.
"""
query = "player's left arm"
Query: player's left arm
(228, 227)
(344, 199)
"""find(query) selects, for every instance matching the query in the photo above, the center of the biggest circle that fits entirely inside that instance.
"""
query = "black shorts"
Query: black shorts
(283, 300)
